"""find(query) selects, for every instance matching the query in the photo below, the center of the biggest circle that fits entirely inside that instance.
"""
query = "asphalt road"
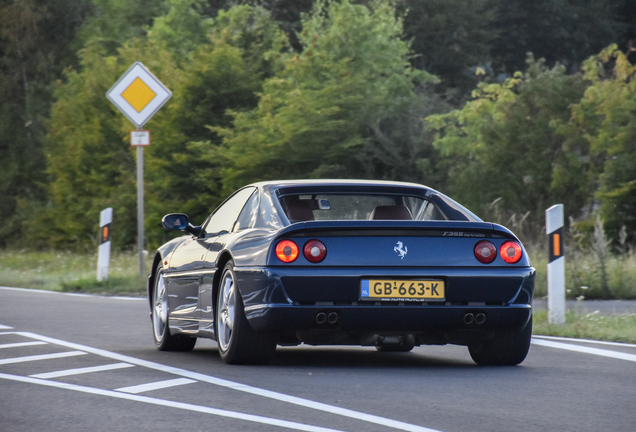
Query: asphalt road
(88, 363)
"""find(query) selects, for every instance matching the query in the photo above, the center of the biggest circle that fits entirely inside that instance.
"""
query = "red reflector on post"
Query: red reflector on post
(557, 244)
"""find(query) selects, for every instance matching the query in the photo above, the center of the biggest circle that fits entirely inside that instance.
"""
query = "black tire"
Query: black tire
(238, 342)
(159, 316)
(507, 348)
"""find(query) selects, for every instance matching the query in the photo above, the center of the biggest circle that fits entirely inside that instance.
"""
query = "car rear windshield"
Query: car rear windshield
(342, 206)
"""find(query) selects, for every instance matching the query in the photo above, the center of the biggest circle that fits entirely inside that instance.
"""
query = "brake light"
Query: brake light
(485, 252)
(510, 252)
(287, 251)
(315, 251)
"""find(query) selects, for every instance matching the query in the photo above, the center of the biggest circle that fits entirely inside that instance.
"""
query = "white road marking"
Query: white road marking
(84, 370)
(172, 404)
(357, 415)
(4, 327)
(619, 344)
(156, 385)
(21, 344)
(584, 349)
(41, 357)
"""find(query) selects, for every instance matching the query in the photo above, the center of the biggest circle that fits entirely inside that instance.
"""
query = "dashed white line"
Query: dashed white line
(172, 404)
(84, 370)
(41, 357)
(4, 327)
(156, 385)
(21, 344)
(584, 349)
(319, 406)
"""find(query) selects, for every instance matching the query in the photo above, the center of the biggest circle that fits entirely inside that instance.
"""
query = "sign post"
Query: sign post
(556, 264)
(103, 252)
(138, 94)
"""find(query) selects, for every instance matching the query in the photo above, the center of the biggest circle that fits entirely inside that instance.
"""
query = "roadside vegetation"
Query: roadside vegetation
(593, 326)
(71, 272)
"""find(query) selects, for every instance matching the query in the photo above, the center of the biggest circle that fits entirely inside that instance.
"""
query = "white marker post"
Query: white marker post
(103, 251)
(138, 94)
(556, 264)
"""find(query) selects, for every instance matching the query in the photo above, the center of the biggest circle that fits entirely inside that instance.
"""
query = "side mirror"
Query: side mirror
(175, 222)
(179, 222)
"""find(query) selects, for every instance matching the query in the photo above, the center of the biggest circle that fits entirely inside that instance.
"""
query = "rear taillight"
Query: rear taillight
(510, 252)
(287, 251)
(315, 251)
(485, 252)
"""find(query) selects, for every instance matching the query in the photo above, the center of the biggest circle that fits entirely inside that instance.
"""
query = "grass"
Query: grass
(69, 272)
(614, 328)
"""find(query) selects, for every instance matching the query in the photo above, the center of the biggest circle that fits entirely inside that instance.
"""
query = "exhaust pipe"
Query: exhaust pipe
(333, 317)
(468, 318)
(480, 318)
(321, 317)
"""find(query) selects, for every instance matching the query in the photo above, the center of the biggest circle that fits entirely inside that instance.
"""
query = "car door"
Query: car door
(219, 229)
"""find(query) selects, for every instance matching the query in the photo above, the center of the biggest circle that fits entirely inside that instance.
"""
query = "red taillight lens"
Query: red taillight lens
(287, 251)
(315, 251)
(510, 252)
(485, 252)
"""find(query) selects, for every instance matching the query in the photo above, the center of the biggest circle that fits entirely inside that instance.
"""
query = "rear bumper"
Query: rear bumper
(280, 299)
(383, 319)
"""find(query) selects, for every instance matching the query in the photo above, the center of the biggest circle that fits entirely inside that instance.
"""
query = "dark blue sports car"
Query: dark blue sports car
(335, 262)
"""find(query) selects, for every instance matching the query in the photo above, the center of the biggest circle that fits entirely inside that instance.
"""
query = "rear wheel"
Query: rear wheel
(238, 342)
(507, 348)
(160, 330)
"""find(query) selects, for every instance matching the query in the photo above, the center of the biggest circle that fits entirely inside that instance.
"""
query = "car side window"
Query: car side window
(224, 217)
(247, 218)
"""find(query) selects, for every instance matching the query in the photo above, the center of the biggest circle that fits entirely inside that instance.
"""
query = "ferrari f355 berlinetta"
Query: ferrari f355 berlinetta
(334, 262)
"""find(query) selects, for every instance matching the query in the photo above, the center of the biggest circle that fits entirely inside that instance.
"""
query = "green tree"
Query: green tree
(508, 146)
(113, 22)
(449, 38)
(34, 38)
(564, 31)
(605, 118)
(329, 107)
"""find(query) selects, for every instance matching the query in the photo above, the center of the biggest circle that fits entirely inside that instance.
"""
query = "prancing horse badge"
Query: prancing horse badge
(401, 249)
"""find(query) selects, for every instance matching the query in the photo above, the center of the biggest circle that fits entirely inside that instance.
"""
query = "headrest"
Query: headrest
(394, 212)
(299, 211)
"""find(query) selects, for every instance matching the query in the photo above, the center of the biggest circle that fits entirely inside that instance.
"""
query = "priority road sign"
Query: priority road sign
(138, 94)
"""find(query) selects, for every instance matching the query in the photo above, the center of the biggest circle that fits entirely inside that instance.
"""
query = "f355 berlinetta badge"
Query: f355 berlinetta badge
(401, 249)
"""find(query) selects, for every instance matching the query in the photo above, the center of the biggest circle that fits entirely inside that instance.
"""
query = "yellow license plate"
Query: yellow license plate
(402, 290)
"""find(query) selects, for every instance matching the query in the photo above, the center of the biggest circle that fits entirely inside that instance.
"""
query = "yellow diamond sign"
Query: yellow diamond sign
(138, 94)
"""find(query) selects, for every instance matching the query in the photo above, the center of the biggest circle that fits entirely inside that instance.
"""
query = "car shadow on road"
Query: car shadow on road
(352, 357)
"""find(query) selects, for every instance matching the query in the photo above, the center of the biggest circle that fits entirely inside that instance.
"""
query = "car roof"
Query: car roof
(335, 182)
